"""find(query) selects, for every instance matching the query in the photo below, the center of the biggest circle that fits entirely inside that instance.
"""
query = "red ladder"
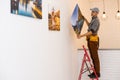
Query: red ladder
(86, 59)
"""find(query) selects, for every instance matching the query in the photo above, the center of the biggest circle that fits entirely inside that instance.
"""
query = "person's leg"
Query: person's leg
(91, 53)
(94, 54)
(93, 49)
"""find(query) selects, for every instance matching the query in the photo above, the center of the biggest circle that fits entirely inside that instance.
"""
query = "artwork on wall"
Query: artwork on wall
(77, 20)
(54, 19)
(30, 8)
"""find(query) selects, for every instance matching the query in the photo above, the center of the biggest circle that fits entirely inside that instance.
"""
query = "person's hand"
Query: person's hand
(79, 36)
(83, 17)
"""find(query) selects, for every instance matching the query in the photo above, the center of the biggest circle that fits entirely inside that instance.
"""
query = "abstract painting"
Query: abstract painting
(30, 8)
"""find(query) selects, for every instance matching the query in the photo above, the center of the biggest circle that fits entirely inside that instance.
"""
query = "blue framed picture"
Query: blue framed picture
(30, 8)
(77, 20)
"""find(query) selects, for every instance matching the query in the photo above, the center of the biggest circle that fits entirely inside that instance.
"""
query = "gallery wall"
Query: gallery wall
(29, 51)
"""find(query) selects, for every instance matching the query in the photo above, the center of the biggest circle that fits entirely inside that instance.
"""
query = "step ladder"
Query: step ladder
(89, 66)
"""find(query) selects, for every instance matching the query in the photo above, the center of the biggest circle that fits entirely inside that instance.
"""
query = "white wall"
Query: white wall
(109, 64)
(28, 51)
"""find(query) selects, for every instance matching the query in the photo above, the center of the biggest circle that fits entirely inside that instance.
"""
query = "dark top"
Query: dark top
(94, 25)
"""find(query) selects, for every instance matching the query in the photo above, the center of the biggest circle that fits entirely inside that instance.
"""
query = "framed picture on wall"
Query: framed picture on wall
(54, 19)
(30, 8)
(77, 20)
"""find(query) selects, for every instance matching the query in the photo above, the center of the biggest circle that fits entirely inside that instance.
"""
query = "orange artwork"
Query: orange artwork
(54, 19)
